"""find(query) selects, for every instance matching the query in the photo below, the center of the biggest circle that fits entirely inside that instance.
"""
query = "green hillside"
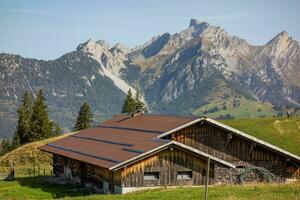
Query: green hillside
(281, 132)
(225, 101)
(39, 188)
(27, 156)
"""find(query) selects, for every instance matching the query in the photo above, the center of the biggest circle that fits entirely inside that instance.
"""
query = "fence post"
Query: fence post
(33, 170)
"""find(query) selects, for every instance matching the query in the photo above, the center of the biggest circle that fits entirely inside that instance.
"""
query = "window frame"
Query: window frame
(184, 175)
(151, 176)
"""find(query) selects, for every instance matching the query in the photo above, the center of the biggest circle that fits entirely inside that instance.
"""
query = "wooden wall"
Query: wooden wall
(86, 174)
(232, 148)
(168, 163)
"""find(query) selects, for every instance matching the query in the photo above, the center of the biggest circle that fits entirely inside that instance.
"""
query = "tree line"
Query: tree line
(34, 123)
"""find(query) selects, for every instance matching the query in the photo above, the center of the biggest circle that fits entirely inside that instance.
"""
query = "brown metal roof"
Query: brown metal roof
(149, 122)
(116, 140)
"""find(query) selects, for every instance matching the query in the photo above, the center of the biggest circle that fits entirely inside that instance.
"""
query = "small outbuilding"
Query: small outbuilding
(132, 152)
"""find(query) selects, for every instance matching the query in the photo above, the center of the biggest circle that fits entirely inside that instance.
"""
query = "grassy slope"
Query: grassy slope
(27, 155)
(37, 188)
(243, 108)
(281, 132)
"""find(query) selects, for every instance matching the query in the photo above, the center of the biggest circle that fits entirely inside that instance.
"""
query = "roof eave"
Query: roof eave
(233, 130)
(252, 138)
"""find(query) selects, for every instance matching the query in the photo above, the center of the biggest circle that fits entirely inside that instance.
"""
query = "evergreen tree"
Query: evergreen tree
(139, 104)
(129, 103)
(24, 114)
(133, 104)
(6, 146)
(56, 130)
(85, 117)
(40, 125)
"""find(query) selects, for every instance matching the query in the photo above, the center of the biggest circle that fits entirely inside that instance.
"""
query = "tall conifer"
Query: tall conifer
(40, 125)
(24, 116)
(139, 104)
(85, 117)
(129, 103)
(133, 104)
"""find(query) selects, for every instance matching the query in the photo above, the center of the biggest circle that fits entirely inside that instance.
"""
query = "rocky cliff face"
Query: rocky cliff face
(204, 53)
(180, 73)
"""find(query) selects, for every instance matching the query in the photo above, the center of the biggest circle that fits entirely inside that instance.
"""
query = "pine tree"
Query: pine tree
(24, 116)
(56, 130)
(6, 146)
(129, 103)
(139, 104)
(133, 104)
(40, 125)
(85, 117)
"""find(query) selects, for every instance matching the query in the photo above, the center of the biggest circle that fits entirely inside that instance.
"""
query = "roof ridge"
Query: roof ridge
(131, 129)
(170, 115)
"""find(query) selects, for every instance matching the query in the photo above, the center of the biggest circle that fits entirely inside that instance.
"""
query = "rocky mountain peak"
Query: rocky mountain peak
(92, 45)
(282, 37)
(280, 44)
(120, 48)
(198, 24)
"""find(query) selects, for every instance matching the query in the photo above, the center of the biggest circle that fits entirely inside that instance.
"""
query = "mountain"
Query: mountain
(82, 75)
(183, 72)
(201, 70)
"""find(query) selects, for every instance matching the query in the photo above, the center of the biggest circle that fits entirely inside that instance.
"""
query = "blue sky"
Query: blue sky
(47, 29)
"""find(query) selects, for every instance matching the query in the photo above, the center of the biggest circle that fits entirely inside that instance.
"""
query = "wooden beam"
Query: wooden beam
(207, 179)
(228, 139)
(253, 145)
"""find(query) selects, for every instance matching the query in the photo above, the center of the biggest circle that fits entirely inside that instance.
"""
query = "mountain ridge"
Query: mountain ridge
(180, 73)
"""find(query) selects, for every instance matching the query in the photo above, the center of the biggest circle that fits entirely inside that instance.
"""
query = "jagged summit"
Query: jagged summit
(121, 48)
(280, 37)
(198, 24)
(91, 44)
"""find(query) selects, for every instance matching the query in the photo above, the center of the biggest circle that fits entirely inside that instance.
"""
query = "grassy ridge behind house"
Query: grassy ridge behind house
(282, 132)
(27, 156)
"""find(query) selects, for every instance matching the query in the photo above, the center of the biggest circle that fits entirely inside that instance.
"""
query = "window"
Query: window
(151, 176)
(184, 175)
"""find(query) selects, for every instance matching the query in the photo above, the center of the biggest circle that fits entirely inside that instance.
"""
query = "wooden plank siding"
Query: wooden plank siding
(167, 163)
(86, 174)
(232, 148)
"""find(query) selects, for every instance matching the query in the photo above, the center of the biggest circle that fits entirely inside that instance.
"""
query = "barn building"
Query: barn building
(138, 151)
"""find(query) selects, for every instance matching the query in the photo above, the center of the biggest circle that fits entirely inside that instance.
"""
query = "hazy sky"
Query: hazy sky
(49, 28)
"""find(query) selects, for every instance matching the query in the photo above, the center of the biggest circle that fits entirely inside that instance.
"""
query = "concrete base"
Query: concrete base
(126, 190)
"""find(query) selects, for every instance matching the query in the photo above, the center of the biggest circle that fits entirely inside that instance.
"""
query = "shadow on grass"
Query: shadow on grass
(57, 190)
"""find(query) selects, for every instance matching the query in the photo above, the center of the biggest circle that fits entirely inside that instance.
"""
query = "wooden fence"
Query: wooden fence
(26, 171)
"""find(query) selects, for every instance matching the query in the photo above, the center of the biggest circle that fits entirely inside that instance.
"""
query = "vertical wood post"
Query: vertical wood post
(34, 170)
(207, 179)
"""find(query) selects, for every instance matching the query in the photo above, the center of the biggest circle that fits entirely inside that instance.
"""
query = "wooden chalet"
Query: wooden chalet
(131, 152)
